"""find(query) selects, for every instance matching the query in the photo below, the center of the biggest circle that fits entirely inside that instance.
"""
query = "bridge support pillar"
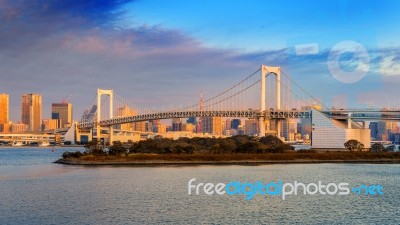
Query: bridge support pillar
(278, 129)
(262, 123)
(349, 121)
(265, 71)
(109, 93)
(111, 130)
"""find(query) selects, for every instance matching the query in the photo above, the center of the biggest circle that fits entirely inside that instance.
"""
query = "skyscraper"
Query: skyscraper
(191, 120)
(288, 129)
(177, 124)
(4, 108)
(228, 124)
(384, 128)
(251, 127)
(373, 126)
(123, 112)
(212, 125)
(235, 124)
(32, 111)
(63, 113)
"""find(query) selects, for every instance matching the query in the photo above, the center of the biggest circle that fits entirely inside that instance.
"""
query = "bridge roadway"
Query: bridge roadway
(355, 115)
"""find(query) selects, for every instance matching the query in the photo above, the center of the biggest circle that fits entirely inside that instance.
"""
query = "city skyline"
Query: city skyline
(140, 51)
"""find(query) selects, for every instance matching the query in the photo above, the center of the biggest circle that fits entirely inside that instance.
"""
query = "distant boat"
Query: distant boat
(44, 144)
(16, 143)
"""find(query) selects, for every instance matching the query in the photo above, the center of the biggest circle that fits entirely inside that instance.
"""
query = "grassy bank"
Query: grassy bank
(288, 157)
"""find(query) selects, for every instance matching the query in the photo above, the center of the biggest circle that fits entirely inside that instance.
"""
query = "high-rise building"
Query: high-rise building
(123, 112)
(176, 124)
(155, 122)
(212, 125)
(160, 128)
(288, 130)
(188, 127)
(304, 127)
(373, 126)
(191, 120)
(4, 108)
(235, 123)
(140, 126)
(228, 124)
(32, 111)
(251, 127)
(383, 130)
(63, 113)
(5, 127)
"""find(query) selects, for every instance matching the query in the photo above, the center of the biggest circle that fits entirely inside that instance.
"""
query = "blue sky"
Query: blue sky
(166, 52)
(259, 25)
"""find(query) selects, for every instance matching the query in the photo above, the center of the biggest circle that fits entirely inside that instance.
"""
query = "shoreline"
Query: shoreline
(233, 162)
(50, 146)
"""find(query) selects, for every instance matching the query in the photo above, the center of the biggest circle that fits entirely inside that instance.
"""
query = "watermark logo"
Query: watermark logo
(346, 65)
(359, 57)
(279, 188)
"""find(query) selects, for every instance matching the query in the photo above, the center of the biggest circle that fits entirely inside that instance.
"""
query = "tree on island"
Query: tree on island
(354, 145)
(94, 147)
(117, 148)
(377, 147)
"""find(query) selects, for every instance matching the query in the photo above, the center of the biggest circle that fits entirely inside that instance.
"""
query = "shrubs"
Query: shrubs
(354, 145)
(390, 148)
(117, 148)
(94, 147)
(231, 145)
(76, 154)
(236, 144)
(377, 147)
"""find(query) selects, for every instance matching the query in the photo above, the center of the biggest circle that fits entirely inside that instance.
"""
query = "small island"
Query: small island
(236, 150)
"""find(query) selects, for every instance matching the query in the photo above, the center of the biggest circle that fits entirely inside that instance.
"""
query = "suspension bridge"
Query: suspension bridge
(268, 95)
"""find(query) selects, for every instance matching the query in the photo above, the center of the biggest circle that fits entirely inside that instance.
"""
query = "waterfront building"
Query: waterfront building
(19, 128)
(51, 124)
(63, 113)
(4, 113)
(330, 133)
(32, 111)
(5, 127)
(4, 108)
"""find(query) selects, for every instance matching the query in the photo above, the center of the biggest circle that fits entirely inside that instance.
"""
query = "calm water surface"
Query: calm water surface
(35, 191)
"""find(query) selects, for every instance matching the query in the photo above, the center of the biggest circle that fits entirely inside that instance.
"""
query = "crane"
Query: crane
(66, 100)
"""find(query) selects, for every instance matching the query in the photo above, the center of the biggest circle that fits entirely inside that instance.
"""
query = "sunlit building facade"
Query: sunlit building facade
(32, 111)
(212, 125)
(63, 113)
(4, 108)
